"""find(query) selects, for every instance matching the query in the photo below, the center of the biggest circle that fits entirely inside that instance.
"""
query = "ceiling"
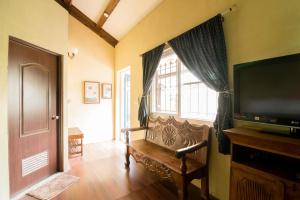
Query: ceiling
(91, 8)
(124, 16)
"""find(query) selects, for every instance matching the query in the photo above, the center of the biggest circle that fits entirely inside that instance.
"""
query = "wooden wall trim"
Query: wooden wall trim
(109, 9)
(76, 13)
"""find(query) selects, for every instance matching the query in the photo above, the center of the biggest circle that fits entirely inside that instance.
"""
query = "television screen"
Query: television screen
(268, 90)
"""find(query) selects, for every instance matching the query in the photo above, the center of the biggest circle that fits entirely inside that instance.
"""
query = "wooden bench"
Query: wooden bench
(75, 139)
(176, 151)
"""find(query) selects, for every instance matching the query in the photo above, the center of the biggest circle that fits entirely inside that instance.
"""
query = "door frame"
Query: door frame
(60, 100)
(119, 101)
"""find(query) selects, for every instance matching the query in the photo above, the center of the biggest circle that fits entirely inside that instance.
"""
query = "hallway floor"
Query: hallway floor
(104, 177)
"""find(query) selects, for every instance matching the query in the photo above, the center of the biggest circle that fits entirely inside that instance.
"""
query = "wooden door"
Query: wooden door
(32, 114)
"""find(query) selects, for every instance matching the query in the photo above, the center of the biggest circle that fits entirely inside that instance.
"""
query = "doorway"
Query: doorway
(123, 101)
(34, 114)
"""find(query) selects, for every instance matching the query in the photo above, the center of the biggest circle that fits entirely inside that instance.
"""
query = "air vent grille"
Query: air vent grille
(34, 163)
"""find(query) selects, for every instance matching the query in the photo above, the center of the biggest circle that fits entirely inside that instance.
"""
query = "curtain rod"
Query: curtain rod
(225, 12)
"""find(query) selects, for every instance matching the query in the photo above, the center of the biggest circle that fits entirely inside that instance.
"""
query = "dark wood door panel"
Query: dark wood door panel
(34, 87)
(32, 100)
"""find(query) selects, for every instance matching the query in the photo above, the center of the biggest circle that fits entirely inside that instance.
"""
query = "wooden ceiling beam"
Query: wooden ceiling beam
(68, 2)
(76, 13)
(107, 12)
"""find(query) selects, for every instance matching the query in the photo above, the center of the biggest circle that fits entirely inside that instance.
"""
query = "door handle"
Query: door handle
(55, 117)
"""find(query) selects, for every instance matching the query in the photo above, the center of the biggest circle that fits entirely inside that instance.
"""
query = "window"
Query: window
(177, 91)
(166, 81)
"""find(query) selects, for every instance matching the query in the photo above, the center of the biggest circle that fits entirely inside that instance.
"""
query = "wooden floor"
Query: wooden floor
(103, 176)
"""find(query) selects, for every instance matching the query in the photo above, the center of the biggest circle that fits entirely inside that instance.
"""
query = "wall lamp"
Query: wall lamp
(73, 53)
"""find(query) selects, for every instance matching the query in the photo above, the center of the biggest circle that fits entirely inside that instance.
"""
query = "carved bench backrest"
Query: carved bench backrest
(172, 134)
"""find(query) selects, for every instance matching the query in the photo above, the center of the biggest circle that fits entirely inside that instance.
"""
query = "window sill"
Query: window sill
(191, 120)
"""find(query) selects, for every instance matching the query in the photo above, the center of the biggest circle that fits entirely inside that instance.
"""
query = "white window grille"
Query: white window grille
(177, 91)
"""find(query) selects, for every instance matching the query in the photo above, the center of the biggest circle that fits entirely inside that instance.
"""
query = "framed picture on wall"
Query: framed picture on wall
(106, 90)
(91, 92)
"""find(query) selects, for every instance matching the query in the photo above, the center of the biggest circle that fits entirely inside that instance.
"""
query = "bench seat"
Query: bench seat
(164, 156)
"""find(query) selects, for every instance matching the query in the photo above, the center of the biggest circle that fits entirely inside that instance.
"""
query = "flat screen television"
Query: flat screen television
(268, 91)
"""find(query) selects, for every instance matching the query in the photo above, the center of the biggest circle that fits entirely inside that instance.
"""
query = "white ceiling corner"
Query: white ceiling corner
(126, 15)
(91, 8)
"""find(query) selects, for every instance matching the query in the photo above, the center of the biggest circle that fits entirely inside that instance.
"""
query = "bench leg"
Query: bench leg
(182, 190)
(127, 161)
(205, 187)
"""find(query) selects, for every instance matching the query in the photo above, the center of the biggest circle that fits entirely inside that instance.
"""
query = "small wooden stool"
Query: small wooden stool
(75, 141)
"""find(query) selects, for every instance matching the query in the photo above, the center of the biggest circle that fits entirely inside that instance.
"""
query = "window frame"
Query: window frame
(178, 113)
(154, 91)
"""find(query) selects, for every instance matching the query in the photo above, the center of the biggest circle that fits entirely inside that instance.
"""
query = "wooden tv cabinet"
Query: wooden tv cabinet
(263, 166)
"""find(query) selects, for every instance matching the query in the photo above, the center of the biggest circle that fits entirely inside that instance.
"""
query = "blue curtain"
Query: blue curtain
(150, 63)
(203, 51)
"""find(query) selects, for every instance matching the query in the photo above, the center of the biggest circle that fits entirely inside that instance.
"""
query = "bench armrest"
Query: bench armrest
(133, 129)
(129, 130)
(181, 152)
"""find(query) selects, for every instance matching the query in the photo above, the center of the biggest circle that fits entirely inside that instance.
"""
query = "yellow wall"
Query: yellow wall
(258, 29)
(94, 62)
(40, 22)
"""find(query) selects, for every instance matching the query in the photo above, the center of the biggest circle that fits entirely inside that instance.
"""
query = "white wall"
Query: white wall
(94, 62)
